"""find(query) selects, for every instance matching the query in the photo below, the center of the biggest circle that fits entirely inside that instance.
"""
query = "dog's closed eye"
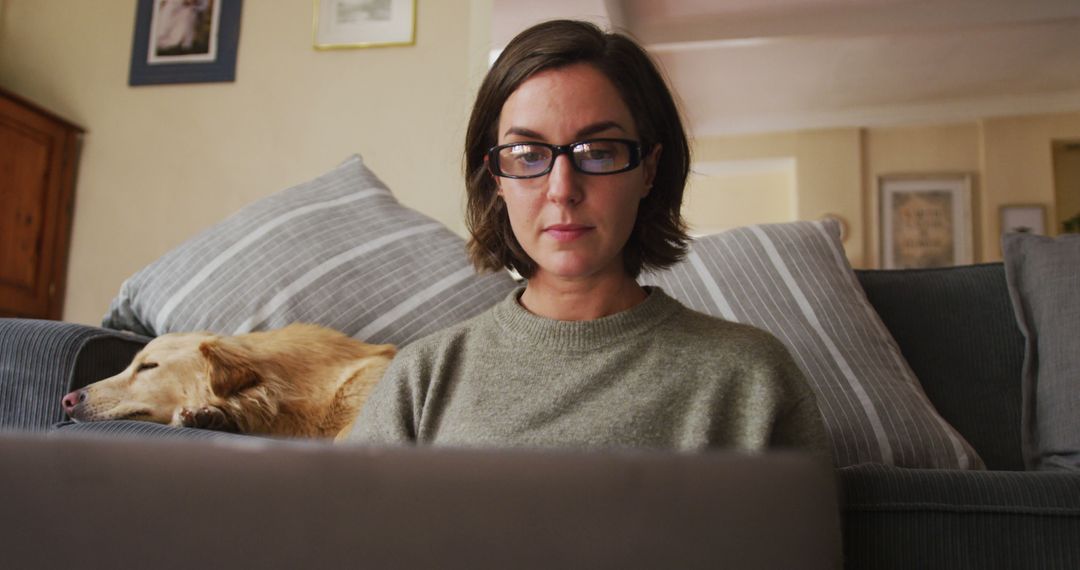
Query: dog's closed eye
(146, 366)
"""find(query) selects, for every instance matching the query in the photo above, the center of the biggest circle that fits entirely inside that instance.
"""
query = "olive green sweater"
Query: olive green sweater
(658, 375)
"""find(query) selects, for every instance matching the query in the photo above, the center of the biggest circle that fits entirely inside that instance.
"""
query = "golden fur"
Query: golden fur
(298, 381)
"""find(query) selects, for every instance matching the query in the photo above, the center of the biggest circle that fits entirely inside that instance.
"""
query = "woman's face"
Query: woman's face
(573, 225)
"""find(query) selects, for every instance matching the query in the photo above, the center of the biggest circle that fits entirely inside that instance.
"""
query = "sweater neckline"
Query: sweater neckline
(528, 328)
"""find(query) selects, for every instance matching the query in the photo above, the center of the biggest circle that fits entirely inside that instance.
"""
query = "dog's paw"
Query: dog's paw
(206, 417)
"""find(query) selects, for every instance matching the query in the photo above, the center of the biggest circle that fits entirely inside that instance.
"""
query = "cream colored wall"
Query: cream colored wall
(1009, 158)
(1018, 167)
(943, 149)
(721, 201)
(160, 163)
(828, 172)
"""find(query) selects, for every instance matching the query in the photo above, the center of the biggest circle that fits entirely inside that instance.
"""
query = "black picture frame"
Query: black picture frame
(221, 67)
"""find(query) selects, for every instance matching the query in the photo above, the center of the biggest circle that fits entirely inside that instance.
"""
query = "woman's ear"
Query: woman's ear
(649, 166)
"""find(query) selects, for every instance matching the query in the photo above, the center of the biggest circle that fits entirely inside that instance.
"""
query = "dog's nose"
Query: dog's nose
(73, 399)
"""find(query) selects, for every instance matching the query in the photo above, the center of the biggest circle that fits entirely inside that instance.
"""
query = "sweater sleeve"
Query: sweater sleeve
(388, 417)
(802, 428)
(799, 425)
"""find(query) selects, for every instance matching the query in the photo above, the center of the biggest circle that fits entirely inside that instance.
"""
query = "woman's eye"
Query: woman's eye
(530, 157)
(598, 154)
(146, 366)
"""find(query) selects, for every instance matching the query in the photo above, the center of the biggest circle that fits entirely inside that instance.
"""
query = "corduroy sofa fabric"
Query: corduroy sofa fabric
(40, 361)
(128, 428)
(923, 518)
(975, 385)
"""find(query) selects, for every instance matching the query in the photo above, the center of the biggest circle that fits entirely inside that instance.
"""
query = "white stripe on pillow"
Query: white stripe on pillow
(435, 290)
(710, 286)
(834, 352)
(246, 241)
(291, 290)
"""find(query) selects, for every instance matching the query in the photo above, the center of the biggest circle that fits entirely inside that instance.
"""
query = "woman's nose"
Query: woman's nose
(564, 182)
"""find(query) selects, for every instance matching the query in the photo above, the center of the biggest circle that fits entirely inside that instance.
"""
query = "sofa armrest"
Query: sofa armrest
(925, 518)
(40, 361)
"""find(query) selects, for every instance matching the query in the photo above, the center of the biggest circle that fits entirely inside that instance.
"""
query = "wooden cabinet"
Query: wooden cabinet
(38, 158)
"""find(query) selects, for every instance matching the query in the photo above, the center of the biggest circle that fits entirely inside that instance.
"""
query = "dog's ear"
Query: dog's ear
(230, 367)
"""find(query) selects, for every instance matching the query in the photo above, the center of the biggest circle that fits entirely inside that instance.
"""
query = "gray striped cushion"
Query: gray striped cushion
(794, 281)
(338, 251)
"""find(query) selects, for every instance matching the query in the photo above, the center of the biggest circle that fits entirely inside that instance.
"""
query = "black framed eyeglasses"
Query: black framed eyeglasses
(593, 156)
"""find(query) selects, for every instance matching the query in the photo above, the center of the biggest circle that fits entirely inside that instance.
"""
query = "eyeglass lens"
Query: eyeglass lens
(594, 157)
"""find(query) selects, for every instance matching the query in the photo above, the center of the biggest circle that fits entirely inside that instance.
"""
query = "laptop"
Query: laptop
(94, 502)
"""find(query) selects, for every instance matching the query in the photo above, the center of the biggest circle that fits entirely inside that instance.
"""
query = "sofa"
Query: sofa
(956, 328)
(940, 475)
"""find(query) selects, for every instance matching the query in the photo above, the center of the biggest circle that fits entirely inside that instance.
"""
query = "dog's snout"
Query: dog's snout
(73, 399)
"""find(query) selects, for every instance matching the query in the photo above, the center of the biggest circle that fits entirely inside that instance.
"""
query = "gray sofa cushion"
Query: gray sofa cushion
(43, 360)
(956, 329)
(338, 251)
(1044, 279)
(146, 430)
(794, 281)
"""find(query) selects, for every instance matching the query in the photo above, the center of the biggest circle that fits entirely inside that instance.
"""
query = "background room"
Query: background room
(798, 110)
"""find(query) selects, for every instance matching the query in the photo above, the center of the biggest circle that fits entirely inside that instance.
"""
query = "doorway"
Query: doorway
(1066, 187)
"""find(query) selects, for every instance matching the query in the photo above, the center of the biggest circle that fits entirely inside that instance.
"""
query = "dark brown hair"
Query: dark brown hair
(659, 236)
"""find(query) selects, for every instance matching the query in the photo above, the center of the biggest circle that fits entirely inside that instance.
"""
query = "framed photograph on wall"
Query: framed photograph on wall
(925, 221)
(346, 24)
(185, 41)
(1023, 218)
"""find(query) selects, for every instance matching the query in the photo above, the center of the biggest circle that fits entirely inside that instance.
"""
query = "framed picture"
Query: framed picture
(1023, 218)
(185, 41)
(925, 221)
(343, 24)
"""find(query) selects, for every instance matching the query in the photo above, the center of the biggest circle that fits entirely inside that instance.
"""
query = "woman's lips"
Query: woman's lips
(567, 232)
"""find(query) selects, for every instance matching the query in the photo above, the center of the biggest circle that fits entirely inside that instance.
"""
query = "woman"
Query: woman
(576, 161)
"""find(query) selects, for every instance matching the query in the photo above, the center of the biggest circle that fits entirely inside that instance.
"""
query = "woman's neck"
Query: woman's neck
(581, 300)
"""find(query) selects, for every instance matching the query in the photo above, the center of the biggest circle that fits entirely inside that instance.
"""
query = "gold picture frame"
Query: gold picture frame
(925, 221)
(352, 24)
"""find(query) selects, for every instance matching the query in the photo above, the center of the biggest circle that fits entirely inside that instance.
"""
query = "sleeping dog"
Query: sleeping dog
(298, 381)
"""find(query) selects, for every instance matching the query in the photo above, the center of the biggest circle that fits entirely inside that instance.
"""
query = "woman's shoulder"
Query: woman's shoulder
(723, 345)
(693, 327)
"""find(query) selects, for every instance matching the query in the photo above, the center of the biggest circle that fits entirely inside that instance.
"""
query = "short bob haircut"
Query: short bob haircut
(659, 237)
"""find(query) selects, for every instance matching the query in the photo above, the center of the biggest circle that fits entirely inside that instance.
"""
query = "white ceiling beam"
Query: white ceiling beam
(802, 18)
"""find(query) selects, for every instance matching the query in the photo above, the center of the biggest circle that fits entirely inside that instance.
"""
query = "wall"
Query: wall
(1018, 166)
(836, 171)
(828, 172)
(1010, 158)
(941, 149)
(160, 163)
(724, 195)
(1066, 183)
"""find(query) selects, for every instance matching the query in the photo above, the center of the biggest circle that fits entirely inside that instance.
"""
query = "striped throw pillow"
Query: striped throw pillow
(338, 251)
(794, 281)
